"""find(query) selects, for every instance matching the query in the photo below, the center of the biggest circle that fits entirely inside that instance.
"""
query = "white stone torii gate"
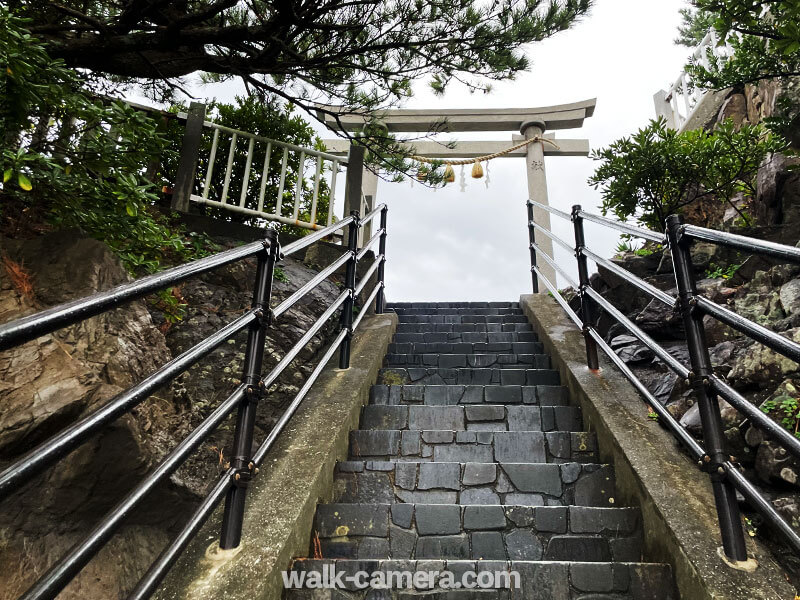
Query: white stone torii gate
(529, 122)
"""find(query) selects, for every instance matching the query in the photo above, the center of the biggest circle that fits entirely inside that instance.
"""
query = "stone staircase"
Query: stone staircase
(469, 457)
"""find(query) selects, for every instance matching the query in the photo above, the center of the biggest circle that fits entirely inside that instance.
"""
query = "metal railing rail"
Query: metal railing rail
(725, 475)
(244, 463)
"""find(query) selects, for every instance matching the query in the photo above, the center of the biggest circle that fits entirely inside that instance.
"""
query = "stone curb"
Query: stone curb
(679, 518)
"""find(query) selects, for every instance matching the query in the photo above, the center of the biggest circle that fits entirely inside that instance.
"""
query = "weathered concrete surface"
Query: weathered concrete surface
(297, 474)
(680, 522)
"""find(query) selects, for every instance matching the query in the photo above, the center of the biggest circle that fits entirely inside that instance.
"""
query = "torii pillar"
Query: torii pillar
(537, 190)
(530, 122)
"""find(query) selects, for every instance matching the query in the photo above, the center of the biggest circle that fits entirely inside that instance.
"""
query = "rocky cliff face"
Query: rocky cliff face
(759, 289)
(48, 383)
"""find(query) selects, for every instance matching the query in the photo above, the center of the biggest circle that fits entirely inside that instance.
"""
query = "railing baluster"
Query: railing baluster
(350, 284)
(229, 169)
(246, 177)
(298, 190)
(730, 522)
(264, 173)
(380, 300)
(587, 316)
(313, 219)
(245, 420)
(211, 158)
(332, 195)
(279, 204)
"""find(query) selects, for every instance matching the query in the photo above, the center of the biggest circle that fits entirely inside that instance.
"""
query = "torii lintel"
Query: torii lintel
(562, 116)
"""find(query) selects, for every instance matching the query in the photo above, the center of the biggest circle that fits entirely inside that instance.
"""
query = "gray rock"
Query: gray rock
(790, 296)
(438, 519)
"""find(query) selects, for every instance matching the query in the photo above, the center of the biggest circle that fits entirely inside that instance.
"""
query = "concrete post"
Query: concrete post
(187, 164)
(537, 190)
(352, 191)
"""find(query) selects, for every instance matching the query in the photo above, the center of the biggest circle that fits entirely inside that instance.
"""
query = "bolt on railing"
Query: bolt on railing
(725, 476)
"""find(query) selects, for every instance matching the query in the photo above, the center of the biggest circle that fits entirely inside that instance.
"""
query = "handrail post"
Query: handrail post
(380, 299)
(531, 242)
(346, 322)
(187, 164)
(244, 469)
(587, 314)
(724, 492)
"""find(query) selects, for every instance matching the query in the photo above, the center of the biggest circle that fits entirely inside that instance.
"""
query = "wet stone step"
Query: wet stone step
(450, 395)
(458, 311)
(471, 361)
(377, 482)
(558, 580)
(495, 532)
(467, 348)
(483, 418)
(465, 337)
(439, 376)
(394, 305)
(456, 319)
(439, 445)
(464, 327)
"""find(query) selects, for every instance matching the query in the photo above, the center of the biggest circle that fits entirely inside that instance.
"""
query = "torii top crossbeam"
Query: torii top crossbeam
(562, 116)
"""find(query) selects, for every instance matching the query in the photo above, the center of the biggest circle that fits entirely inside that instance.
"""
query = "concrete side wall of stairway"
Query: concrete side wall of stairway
(652, 472)
(297, 474)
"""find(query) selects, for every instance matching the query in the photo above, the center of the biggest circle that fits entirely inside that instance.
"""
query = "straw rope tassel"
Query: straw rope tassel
(477, 170)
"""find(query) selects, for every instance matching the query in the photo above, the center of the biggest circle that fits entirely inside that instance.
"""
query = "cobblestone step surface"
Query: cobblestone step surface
(529, 484)
(472, 361)
(465, 337)
(506, 347)
(439, 376)
(456, 328)
(495, 311)
(448, 395)
(460, 319)
(483, 417)
(490, 532)
(470, 457)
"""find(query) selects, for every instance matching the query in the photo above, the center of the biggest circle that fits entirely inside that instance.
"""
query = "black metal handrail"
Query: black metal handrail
(724, 473)
(233, 484)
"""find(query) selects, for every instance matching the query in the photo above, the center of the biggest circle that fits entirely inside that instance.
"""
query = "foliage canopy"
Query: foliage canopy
(360, 54)
(658, 171)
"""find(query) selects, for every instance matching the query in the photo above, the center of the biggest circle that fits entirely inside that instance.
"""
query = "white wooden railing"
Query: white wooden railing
(680, 102)
(325, 167)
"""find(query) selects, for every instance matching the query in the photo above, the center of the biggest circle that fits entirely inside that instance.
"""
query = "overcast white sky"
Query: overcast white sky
(445, 245)
(448, 246)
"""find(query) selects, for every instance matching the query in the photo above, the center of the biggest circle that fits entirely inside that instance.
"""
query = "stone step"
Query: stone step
(464, 328)
(377, 482)
(482, 418)
(436, 376)
(450, 395)
(466, 348)
(457, 311)
(560, 580)
(440, 445)
(466, 337)
(458, 319)
(393, 305)
(471, 361)
(496, 532)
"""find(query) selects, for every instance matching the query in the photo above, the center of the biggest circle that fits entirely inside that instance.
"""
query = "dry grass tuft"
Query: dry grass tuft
(20, 278)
